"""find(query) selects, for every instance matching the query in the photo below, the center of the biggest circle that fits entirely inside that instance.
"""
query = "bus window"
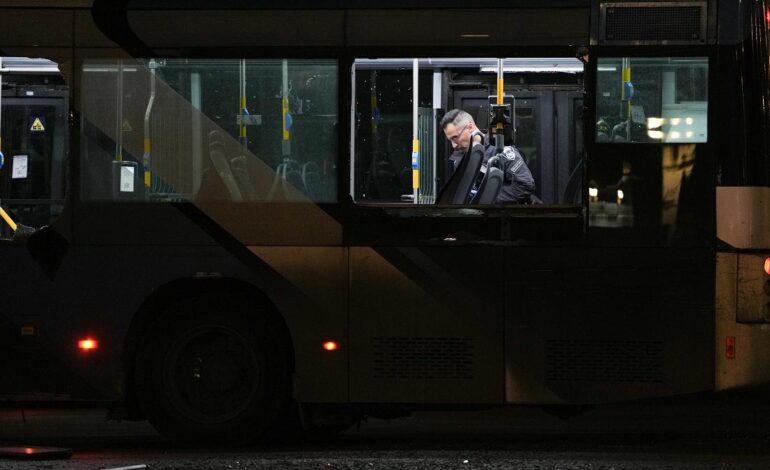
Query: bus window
(389, 116)
(34, 107)
(652, 100)
(657, 107)
(209, 129)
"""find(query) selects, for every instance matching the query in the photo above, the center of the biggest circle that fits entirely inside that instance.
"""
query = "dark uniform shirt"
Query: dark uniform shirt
(518, 184)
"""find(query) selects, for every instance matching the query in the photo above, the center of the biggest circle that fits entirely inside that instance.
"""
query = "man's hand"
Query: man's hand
(477, 138)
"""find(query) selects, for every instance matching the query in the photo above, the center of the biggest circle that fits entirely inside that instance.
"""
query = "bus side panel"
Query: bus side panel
(589, 325)
(742, 339)
(38, 328)
(97, 291)
(319, 313)
(426, 325)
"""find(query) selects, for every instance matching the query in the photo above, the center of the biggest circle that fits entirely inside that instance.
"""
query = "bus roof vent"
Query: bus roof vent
(653, 23)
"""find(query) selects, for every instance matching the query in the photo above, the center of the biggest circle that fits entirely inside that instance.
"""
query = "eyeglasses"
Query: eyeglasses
(456, 138)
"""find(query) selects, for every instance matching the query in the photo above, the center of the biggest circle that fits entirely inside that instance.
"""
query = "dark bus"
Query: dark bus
(230, 219)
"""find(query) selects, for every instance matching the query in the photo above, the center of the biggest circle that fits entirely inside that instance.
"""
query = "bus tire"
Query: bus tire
(212, 370)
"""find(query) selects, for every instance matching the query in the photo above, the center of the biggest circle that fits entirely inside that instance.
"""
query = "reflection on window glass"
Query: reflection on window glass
(383, 126)
(221, 130)
(652, 99)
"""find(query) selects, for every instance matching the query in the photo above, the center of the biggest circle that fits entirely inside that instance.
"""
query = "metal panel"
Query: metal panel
(748, 344)
(743, 216)
(318, 315)
(35, 28)
(87, 34)
(752, 300)
(417, 27)
(608, 324)
(181, 28)
(426, 325)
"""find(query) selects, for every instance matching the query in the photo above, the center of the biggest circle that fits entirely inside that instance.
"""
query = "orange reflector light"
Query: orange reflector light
(767, 266)
(88, 344)
(730, 347)
(330, 346)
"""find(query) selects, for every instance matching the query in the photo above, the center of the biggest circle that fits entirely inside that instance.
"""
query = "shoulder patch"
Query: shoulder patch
(509, 153)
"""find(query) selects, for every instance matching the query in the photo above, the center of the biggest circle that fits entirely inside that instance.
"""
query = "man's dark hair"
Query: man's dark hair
(458, 117)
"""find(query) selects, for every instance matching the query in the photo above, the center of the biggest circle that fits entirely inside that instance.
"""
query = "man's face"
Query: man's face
(459, 136)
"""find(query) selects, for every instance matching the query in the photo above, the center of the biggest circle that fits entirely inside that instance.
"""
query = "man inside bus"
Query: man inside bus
(518, 185)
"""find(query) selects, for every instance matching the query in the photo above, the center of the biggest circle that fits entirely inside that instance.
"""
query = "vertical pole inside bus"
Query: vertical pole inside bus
(627, 94)
(375, 110)
(146, 156)
(242, 111)
(500, 124)
(415, 130)
(286, 117)
(119, 111)
(127, 183)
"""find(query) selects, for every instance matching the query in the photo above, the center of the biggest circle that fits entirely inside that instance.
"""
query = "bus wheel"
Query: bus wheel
(211, 370)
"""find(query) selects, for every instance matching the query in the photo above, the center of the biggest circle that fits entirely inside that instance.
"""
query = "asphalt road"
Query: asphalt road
(695, 432)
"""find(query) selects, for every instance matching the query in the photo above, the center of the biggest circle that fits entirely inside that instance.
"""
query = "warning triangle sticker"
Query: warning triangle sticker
(126, 126)
(37, 125)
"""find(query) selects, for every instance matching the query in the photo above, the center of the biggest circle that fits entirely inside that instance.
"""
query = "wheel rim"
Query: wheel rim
(211, 374)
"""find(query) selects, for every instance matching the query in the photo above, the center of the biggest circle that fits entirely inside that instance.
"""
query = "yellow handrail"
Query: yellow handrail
(7, 219)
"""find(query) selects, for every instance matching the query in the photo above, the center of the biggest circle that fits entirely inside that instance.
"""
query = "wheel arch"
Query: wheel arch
(170, 293)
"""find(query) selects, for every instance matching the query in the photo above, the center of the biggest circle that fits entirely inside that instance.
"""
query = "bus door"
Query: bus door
(629, 314)
(38, 271)
(34, 137)
(429, 292)
(425, 283)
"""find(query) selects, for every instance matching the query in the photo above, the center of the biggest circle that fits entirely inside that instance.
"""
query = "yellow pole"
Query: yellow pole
(286, 136)
(626, 79)
(415, 131)
(415, 164)
(500, 92)
(7, 219)
(242, 135)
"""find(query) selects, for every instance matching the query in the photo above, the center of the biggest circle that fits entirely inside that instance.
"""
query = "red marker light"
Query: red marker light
(88, 344)
(29, 450)
(767, 266)
(330, 346)
(730, 347)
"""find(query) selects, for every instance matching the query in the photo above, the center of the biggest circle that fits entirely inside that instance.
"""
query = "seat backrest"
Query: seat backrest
(287, 174)
(218, 156)
(458, 188)
(241, 173)
(311, 178)
(218, 181)
(490, 187)
(491, 183)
